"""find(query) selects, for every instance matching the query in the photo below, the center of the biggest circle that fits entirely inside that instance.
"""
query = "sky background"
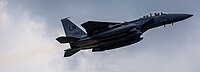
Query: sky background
(28, 29)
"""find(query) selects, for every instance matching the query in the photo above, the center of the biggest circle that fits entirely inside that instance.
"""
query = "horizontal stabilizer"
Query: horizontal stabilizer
(66, 39)
(70, 52)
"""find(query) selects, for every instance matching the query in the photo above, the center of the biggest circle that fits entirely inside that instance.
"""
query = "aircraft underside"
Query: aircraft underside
(107, 43)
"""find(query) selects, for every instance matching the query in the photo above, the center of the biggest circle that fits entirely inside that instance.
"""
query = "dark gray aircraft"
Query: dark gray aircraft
(103, 36)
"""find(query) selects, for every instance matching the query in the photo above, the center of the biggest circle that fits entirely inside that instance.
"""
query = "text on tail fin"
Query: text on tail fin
(71, 30)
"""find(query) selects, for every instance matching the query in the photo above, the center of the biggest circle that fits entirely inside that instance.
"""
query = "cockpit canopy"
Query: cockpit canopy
(152, 14)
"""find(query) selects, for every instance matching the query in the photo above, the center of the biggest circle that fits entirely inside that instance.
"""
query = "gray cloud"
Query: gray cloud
(30, 27)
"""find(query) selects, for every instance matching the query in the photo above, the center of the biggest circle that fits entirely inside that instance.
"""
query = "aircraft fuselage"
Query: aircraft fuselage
(108, 35)
(127, 33)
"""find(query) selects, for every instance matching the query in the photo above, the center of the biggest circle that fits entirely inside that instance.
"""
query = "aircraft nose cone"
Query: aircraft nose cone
(183, 16)
(189, 15)
(179, 17)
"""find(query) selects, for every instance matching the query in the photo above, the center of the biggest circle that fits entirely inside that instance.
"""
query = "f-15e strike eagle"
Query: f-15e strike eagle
(103, 36)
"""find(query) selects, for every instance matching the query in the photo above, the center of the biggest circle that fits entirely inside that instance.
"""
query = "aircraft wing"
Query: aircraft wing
(92, 26)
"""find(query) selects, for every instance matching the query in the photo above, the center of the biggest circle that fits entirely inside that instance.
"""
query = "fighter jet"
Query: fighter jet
(103, 36)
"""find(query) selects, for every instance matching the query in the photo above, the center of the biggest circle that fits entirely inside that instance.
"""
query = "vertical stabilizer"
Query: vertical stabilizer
(71, 30)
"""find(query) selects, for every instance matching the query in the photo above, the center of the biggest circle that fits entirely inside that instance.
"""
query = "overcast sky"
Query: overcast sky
(28, 29)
